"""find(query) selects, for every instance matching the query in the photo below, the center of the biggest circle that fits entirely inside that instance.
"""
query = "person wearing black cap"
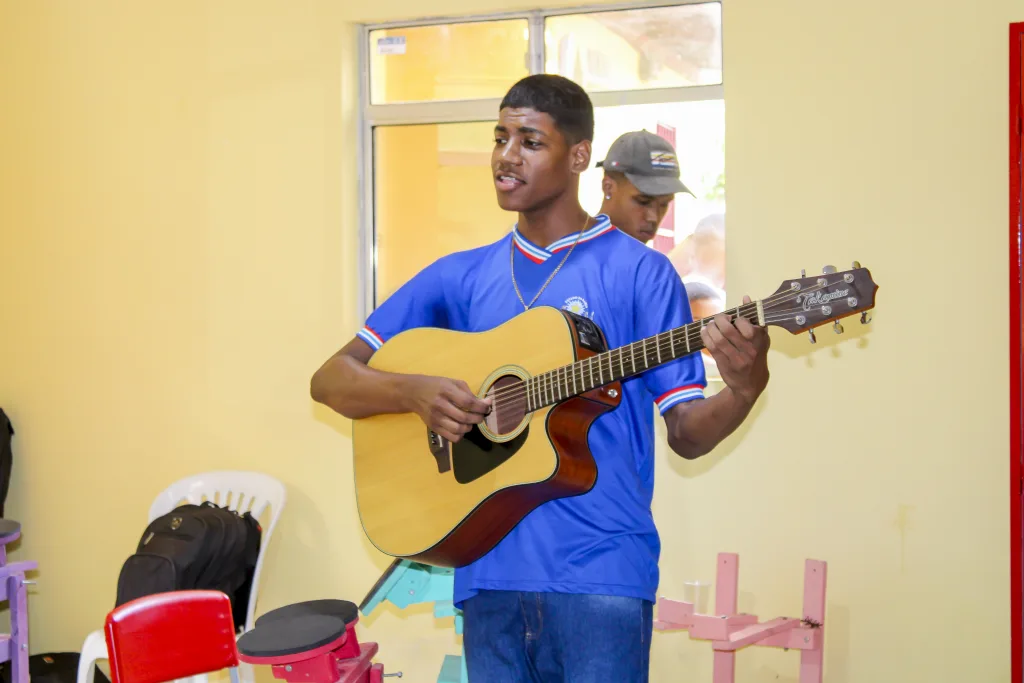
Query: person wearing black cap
(641, 177)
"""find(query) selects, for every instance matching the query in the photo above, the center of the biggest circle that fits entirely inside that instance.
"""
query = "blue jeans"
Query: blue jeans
(515, 637)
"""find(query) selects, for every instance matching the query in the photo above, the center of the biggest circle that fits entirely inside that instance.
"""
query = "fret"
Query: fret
(561, 383)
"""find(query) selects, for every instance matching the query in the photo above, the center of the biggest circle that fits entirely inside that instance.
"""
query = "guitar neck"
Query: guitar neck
(626, 361)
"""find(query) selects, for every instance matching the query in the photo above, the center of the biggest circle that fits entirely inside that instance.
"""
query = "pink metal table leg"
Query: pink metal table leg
(811, 661)
(726, 601)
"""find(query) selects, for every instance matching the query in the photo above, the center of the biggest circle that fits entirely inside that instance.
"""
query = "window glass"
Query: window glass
(433, 195)
(447, 61)
(659, 47)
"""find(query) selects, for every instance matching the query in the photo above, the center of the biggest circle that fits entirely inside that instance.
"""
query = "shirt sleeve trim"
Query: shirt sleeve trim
(371, 338)
(681, 394)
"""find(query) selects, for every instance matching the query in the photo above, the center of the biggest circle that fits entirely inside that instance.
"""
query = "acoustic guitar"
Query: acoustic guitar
(551, 375)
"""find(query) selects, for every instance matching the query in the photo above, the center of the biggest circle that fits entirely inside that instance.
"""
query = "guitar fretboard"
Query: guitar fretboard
(623, 362)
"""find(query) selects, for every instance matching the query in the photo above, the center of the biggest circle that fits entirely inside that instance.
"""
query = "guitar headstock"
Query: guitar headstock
(801, 304)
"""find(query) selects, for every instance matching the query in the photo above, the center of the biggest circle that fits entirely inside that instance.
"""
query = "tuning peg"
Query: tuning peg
(828, 270)
(856, 264)
(803, 273)
(811, 334)
(837, 327)
(864, 318)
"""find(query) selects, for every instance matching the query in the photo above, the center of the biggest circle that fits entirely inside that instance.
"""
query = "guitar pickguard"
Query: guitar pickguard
(475, 455)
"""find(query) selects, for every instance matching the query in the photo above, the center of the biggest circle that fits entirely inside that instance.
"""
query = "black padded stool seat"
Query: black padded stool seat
(8, 528)
(339, 609)
(282, 637)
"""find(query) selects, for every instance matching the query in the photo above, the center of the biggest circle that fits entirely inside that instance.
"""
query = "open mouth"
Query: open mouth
(507, 183)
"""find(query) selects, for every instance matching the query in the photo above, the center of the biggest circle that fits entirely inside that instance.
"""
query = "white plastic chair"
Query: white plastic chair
(239, 491)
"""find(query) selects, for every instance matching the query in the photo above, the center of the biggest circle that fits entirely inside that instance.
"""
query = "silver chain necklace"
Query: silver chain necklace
(512, 266)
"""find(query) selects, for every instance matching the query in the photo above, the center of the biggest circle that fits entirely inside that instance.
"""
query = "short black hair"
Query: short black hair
(558, 97)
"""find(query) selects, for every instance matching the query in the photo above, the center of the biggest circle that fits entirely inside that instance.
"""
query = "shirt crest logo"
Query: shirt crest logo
(578, 305)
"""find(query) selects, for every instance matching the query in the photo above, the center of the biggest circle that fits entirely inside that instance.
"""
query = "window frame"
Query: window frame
(372, 116)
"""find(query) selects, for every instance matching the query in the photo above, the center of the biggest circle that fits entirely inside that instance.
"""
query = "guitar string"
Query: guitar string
(550, 384)
(553, 388)
(742, 309)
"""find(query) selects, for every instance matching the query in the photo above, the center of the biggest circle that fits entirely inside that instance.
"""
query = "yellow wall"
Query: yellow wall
(178, 193)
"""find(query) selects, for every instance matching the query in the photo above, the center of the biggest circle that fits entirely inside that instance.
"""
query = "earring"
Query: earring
(607, 196)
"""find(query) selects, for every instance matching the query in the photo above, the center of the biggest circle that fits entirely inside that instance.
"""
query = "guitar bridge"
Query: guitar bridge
(441, 450)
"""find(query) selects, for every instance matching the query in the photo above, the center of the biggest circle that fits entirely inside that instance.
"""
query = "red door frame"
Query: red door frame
(1016, 349)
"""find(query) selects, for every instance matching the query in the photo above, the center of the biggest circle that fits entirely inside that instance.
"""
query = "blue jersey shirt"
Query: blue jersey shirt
(603, 541)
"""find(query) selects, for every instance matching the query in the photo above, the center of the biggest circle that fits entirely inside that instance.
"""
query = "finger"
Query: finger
(746, 329)
(448, 425)
(725, 327)
(458, 415)
(445, 433)
(467, 400)
(451, 438)
(723, 349)
(746, 299)
(705, 336)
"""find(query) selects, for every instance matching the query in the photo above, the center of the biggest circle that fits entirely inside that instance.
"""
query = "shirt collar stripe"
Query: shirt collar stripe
(530, 251)
(603, 223)
(585, 238)
(539, 254)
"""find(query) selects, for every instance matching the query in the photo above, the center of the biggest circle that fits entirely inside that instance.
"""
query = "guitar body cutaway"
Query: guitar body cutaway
(423, 499)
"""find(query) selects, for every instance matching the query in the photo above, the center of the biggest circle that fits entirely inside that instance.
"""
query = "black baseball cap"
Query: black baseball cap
(648, 161)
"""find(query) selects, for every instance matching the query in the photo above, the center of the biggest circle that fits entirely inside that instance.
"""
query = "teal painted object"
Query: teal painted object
(409, 583)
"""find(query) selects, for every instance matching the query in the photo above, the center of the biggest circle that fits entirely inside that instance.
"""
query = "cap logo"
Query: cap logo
(664, 160)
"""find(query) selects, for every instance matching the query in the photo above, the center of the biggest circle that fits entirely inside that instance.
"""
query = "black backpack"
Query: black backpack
(6, 458)
(195, 547)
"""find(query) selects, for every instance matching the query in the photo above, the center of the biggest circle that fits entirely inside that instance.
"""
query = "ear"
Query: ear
(607, 185)
(580, 156)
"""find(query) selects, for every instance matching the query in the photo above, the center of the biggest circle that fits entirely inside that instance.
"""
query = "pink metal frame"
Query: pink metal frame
(730, 631)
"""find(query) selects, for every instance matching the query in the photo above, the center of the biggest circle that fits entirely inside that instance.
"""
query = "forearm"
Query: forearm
(696, 427)
(346, 385)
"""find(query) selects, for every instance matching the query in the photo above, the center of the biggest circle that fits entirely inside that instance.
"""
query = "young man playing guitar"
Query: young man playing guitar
(567, 595)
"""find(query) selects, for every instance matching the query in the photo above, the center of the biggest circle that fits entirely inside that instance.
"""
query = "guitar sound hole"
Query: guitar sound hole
(476, 455)
(509, 394)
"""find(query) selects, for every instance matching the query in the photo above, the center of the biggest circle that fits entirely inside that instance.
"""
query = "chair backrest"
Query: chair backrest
(167, 636)
(238, 490)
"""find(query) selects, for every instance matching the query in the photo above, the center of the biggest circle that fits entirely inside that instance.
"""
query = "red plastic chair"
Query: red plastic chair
(168, 636)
